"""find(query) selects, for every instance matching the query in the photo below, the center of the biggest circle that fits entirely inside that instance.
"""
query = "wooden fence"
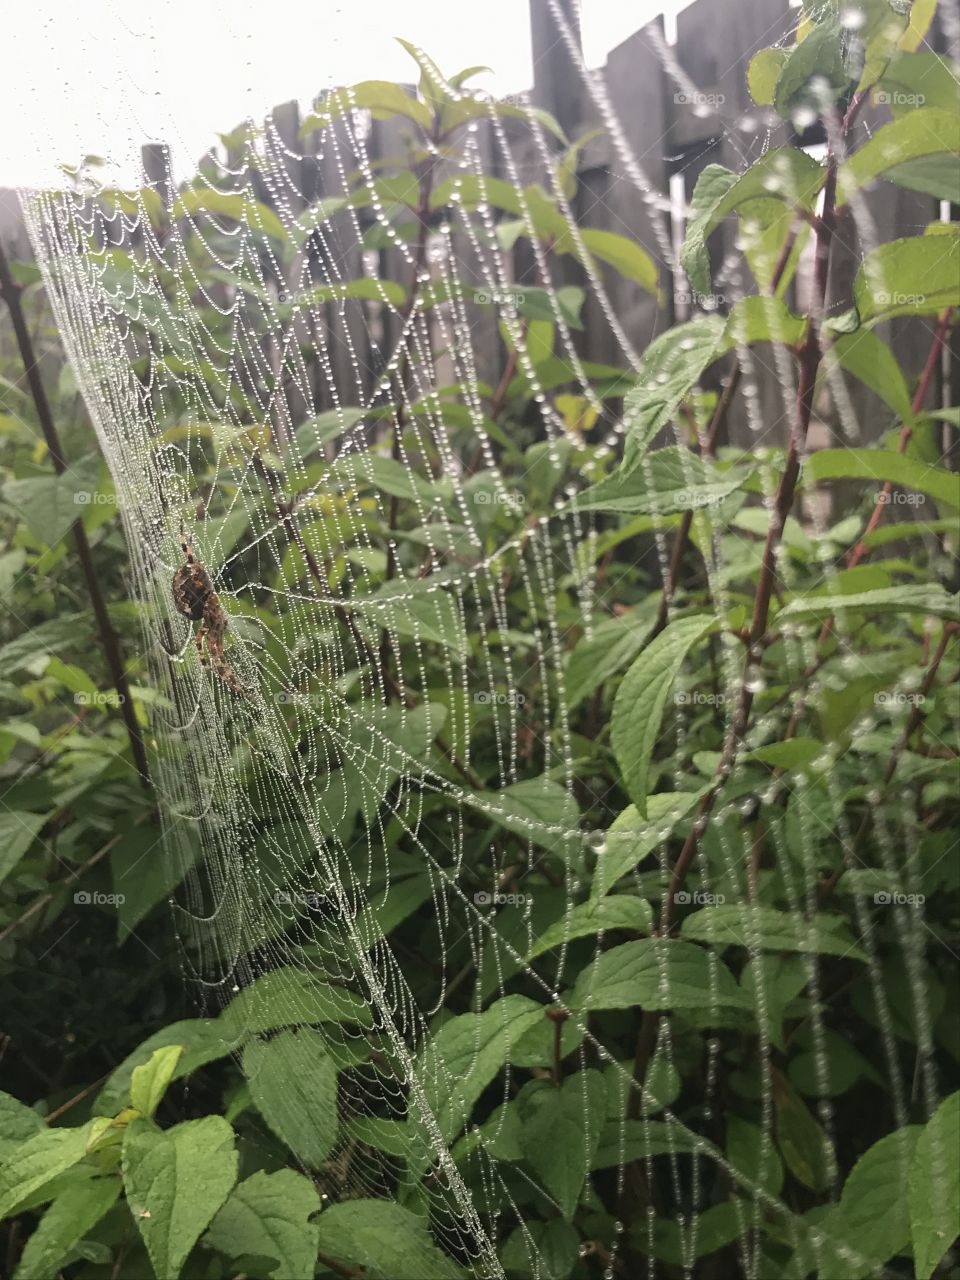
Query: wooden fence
(679, 108)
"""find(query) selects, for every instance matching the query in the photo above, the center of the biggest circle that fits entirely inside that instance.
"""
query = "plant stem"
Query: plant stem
(707, 446)
(10, 291)
(936, 347)
(783, 501)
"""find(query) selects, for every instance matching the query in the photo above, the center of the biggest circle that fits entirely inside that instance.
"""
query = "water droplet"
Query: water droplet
(755, 682)
(803, 118)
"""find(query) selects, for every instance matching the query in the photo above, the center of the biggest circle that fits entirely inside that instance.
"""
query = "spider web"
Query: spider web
(393, 598)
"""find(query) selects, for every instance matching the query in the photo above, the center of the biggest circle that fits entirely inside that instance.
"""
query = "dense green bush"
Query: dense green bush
(807, 812)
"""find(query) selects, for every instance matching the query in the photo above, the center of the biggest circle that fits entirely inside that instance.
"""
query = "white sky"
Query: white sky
(103, 76)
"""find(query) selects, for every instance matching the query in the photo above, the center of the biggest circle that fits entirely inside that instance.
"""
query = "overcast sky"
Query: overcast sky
(100, 76)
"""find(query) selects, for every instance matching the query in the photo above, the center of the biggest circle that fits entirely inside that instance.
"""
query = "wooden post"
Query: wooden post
(557, 81)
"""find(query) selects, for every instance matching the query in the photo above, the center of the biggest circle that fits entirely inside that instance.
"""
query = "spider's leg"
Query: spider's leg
(185, 546)
(199, 643)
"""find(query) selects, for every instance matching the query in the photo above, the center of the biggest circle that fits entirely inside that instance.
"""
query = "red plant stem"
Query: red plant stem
(860, 550)
(707, 446)
(810, 358)
(809, 365)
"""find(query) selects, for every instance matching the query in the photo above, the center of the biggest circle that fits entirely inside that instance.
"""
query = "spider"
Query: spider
(194, 596)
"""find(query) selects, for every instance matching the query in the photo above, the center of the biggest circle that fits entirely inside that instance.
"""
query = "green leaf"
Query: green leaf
(293, 1082)
(665, 481)
(560, 1133)
(455, 114)
(915, 80)
(51, 504)
(881, 465)
(547, 1250)
(18, 1122)
(642, 697)
(794, 753)
(922, 13)
(433, 86)
(751, 1151)
(844, 1065)
(934, 175)
(597, 916)
(384, 1239)
(763, 319)
(175, 1182)
(670, 368)
(814, 75)
(627, 1140)
(631, 838)
(202, 1040)
(382, 98)
(763, 73)
(268, 1216)
(17, 833)
(786, 174)
(766, 928)
(149, 1082)
(42, 1158)
(72, 1214)
(933, 1189)
(916, 276)
(539, 809)
(803, 1143)
(417, 610)
(318, 431)
(770, 981)
(681, 1240)
(238, 206)
(287, 997)
(655, 973)
(926, 598)
(926, 132)
(868, 358)
(873, 1216)
(145, 870)
(624, 255)
(614, 643)
(465, 1055)
(369, 287)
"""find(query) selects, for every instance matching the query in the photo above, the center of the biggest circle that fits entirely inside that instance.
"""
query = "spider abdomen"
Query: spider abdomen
(192, 589)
